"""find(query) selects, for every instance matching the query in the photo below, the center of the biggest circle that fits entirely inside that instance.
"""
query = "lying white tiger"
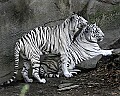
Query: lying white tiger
(84, 47)
(45, 40)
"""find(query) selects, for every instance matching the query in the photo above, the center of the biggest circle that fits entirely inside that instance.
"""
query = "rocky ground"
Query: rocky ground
(101, 81)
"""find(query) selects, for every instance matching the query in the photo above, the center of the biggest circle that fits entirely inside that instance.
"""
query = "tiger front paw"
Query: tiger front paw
(30, 80)
(67, 74)
(106, 52)
(42, 80)
(74, 71)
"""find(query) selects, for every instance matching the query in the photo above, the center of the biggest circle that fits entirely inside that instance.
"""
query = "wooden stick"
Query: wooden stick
(67, 88)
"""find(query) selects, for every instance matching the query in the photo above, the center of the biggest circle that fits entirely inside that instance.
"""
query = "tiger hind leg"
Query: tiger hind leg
(36, 75)
(24, 72)
(35, 71)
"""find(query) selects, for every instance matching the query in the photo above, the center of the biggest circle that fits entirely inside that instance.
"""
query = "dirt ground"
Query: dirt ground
(101, 81)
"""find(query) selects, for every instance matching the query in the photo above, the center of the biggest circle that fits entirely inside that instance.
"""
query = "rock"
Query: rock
(89, 63)
(116, 51)
(115, 44)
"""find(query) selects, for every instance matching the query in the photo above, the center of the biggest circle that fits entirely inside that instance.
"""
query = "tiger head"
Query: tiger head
(93, 33)
(76, 23)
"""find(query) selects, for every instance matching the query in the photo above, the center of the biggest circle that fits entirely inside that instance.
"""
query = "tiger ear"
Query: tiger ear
(73, 13)
(71, 18)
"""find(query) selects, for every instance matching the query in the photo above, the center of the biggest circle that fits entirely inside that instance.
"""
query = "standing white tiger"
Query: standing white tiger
(45, 40)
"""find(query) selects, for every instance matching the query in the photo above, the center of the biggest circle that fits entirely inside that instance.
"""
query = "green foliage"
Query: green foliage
(107, 19)
(24, 90)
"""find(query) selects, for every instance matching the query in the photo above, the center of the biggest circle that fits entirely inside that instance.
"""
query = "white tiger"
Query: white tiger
(85, 45)
(45, 40)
